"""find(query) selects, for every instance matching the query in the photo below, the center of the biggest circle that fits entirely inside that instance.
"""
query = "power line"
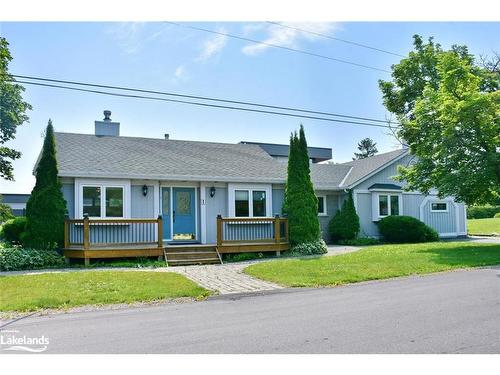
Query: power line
(335, 38)
(200, 104)
(278, 46)
(199, 98)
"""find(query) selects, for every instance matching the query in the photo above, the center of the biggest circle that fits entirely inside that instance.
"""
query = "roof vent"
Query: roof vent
(106, 127)
(107, 115)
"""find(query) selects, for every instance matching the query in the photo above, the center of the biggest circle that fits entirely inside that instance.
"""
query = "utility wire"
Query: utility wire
(278, 46)
(200, 104)
(335, 38)
(199, 98)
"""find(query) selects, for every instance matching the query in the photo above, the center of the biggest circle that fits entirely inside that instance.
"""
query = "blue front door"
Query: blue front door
(183, 214)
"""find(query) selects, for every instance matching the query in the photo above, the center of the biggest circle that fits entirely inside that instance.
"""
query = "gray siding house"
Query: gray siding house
(105, 175)
(17, 203)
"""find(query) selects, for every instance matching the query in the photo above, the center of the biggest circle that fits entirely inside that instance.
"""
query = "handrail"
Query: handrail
(86, 232)
(270, 230)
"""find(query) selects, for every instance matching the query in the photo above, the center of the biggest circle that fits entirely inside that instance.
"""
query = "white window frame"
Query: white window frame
(376, 206)
(439, 211)
(102, 184)
(250, 188)
(325, 210)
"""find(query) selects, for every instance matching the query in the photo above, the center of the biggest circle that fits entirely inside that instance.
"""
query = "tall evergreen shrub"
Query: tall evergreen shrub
(345, 224)
(46, 207)
(301, 204)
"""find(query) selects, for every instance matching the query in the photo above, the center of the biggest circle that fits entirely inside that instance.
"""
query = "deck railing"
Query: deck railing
(94, 233)
(251, 230)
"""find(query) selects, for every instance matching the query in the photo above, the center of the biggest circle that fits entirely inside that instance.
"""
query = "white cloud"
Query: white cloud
(213, 46)
(180, 72)
(284, 36)
(131, 36)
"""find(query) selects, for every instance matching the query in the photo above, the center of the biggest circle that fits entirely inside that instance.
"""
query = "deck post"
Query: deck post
(277, 229)
(86, 232)
(219, 230)
(160, 231)
(66, 231)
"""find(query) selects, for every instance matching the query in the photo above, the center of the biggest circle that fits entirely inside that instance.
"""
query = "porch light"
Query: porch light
(144, 190)
(212, 191)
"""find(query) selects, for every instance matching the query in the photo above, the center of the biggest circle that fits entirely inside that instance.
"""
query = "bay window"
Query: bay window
(386, 204)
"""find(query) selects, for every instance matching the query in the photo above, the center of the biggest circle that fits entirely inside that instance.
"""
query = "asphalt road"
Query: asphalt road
(456, 312)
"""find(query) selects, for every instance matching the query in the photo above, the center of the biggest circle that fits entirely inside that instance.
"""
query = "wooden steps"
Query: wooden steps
(192, 254)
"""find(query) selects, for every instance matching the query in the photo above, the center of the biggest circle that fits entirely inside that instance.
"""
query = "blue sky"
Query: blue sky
(171, 58)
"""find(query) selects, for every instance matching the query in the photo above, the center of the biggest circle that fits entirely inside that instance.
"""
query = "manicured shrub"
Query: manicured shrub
(406, 229)
(345, 224)
(301, 204)
(17, 258)
(497, 215)
(310, 248)
(482, 212)
(46, 207)
(13, 229)
(5, 212)
(363, 241)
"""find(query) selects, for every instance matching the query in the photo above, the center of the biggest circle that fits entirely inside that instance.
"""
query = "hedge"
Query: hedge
(406, 229)
(482, 212)
(17, 258)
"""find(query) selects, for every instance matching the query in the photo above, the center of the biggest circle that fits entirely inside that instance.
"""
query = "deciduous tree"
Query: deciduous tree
(449, 110)
(12, 112)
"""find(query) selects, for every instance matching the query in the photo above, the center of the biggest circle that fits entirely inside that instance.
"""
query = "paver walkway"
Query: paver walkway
(224, 278)
(229, 277)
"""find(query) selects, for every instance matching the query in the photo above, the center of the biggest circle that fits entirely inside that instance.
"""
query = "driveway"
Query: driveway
(453, 312)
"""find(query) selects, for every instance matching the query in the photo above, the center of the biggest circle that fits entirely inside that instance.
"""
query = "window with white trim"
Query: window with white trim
(321, 205)
(99, 201)
(388, 204)
(439, 206)
(250, 201)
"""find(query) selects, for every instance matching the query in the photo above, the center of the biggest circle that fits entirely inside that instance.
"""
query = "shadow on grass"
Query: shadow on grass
(466, 256)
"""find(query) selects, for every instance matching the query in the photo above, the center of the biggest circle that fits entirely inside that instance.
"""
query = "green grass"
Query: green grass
(486, 227)
(64, 290)
(377, 262)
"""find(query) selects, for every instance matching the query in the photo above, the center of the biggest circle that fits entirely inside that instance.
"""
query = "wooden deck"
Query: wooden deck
(127, 238)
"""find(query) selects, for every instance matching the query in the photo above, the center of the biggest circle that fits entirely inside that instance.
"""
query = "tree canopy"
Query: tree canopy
(12, 112)
(366, 148)
(449, 111)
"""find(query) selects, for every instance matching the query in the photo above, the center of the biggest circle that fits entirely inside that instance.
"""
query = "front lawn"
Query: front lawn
(485, 227)
(377, 262)
(63, 290)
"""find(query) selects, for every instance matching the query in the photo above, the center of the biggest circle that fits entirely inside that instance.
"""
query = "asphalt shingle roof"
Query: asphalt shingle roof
(364, 167)
(86, 155)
